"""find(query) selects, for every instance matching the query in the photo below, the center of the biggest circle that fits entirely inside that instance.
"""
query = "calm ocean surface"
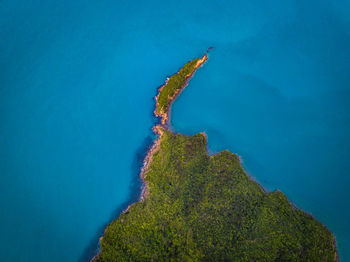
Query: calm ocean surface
(77, 80)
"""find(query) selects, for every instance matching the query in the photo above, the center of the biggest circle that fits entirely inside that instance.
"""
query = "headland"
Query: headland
(196, 207)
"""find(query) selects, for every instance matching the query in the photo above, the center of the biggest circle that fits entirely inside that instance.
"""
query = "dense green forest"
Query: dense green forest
(175, 82)
(205, 208)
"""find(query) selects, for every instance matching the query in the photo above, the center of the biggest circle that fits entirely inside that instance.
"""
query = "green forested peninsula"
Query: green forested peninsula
(198, 207)
(205, 208)
(173, 86)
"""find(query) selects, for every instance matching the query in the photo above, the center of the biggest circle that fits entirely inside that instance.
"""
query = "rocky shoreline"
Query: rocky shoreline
(164, 118)
(158, 130)
(148, 159)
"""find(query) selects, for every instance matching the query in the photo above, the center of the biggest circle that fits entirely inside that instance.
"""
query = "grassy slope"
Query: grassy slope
(174, 83)
(206, 208)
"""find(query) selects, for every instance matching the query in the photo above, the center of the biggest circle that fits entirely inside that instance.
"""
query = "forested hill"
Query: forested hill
(205, 208)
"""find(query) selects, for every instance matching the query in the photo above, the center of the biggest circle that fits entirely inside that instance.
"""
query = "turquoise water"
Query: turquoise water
(77, 80)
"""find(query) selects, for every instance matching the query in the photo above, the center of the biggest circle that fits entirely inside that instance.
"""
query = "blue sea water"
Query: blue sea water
(77, 81)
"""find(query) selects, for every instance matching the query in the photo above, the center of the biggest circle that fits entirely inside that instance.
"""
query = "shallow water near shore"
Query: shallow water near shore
(77, 81)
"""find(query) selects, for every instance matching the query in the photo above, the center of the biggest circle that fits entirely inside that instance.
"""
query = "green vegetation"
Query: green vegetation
(174, 84)
(205, 208)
